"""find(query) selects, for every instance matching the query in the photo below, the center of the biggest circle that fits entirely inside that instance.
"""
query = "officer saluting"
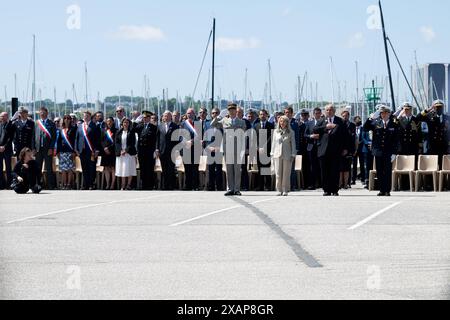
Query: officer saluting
(410, 132)
(385, 146)
(438, 124)
(23, 131)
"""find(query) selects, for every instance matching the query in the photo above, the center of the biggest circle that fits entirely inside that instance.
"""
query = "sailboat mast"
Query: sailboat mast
(86, 79)
(34, 78)
(270, 85)
(357, 89)
(213, 63)
(332, 80)
(385, 38)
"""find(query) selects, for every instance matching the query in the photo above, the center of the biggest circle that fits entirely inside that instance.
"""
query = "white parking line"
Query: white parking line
(84, 207)
(219, 211)
(376, 214)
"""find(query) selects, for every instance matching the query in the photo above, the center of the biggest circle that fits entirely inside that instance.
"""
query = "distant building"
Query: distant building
(432, 82)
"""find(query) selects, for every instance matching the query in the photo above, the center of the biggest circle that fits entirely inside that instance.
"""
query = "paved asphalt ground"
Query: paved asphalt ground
(186, 245)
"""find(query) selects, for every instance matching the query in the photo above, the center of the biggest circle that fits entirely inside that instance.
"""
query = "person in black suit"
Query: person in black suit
(289, 112)
(87, 147)
(264, 130)
(302, 146)
(385, 146)
(191, 151)
(350, 145)
(332, 135)
(44, 144)
(313, 141)
(108, 152)
(147, 140)
(6, 149)
(165, 146)
(213, 142)
(244, 167)
(361, 150)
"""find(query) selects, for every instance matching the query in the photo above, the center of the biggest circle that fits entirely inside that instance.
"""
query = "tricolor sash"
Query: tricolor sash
(86, 138)
(109, 136)
(66, 138)
(191, 128)
(44, 129)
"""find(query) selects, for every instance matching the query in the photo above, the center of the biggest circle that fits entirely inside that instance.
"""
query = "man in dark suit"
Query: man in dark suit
(192, 150)
(165, 146)
(302, 145)
(6, 150)
(87, 147)
(264, 130)
(44, 145)
(312, 147)
(23, 132)
(147, 140)
(289, 112)
(385, 146)
(244, 170)
(332, 134)
(213, 142)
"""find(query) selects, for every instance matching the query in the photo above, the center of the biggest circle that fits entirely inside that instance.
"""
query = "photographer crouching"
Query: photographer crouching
(26, 175)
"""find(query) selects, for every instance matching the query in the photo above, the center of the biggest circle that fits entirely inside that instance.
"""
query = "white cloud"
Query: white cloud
(427, 33)
(142, 33)
(236, 44)
(356, 41)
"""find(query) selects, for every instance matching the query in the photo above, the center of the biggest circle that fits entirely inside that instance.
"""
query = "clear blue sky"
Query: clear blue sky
(123, 40)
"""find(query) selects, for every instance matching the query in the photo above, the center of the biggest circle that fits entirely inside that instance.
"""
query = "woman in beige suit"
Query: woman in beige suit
(283, 153)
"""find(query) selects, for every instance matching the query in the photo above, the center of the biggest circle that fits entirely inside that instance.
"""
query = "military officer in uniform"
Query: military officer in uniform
(438, 129)
(385, 146)
(147, 140)
(233, 147)
(410, 132)
(23, 131)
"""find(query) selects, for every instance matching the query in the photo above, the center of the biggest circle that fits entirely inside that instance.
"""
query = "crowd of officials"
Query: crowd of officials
(336, 150)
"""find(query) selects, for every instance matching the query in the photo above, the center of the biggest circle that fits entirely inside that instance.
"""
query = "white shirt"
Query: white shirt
(124, 140)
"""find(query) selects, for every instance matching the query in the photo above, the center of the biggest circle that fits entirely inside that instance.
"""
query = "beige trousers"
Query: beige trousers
(283, 170)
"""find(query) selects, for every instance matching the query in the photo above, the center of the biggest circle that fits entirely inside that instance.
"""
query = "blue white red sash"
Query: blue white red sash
(109, 135)
(191, 128)
(44, 129)
(66, 138)
(86, 138)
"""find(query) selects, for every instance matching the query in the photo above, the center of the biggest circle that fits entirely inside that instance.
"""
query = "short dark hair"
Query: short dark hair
(43, 109)
(317, 110)
(264, 111)
(289, 109)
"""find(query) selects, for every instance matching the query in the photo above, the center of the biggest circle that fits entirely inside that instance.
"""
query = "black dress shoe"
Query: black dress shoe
(381, 194)
(327, 194)
(311, 188)
(238, 193)
(388, 194)
(229, 194)
(336, 194)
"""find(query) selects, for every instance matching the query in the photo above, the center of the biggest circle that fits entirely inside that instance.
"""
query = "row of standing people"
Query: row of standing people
(329, 145)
